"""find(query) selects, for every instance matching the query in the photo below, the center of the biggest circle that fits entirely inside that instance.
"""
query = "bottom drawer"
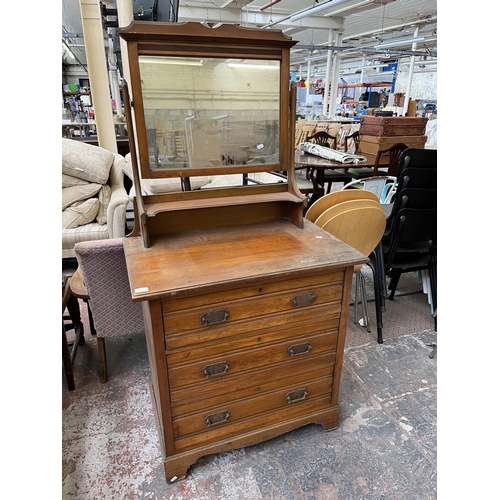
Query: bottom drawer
(237, 413)
(227, 429)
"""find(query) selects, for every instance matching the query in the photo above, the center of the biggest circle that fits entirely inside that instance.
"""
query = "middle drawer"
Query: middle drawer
(232, 363)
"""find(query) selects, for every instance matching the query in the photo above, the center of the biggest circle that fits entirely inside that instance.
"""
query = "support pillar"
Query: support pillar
(98, 73)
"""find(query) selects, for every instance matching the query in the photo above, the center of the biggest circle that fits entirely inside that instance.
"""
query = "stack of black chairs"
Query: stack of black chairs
(410, 240)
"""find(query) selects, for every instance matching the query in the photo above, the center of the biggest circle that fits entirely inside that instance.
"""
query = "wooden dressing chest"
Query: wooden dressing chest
(245, 302)
(245, 342)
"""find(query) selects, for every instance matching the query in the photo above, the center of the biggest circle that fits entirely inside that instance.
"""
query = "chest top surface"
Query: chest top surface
(224, 257)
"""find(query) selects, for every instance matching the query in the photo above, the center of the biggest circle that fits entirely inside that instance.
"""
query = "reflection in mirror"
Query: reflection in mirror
(210, 112)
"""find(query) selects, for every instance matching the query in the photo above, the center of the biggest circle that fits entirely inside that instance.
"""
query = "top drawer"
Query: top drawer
(186, 315)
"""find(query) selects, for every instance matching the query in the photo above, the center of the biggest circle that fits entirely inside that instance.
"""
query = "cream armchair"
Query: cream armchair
(94, 198)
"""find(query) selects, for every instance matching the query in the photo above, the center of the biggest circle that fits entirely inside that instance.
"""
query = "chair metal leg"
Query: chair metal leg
(364, 303)
(356, 289)
(360, 289)
(378, 301)
(103, 371)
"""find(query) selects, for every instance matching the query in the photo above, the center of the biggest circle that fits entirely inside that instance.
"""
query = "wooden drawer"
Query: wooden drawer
(250, 359)
(191, 399)
(254, 307)
(304, 319)
(242, 416)
(257, 290)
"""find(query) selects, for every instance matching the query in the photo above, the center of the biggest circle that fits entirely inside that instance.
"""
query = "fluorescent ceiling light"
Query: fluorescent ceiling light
(314, 10)
(425, 70)
(369, 66)
(348, 7)
(176, 62)
(316, 58)
(397, 43)
(251, 66)
(418, 63)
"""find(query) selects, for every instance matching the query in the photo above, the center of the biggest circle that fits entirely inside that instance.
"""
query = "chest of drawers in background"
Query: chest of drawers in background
(245, 329)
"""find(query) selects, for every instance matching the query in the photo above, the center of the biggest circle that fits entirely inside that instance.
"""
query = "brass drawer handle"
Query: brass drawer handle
(214, 317)
(217, 418)
(295, 350)
(298, 395)
(215, 369)
(303, 299)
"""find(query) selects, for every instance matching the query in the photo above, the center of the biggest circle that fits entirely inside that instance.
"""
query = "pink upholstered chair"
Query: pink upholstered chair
(105, 280)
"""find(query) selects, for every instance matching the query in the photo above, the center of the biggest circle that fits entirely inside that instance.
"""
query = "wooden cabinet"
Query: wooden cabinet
(245, 342)
(245, 302)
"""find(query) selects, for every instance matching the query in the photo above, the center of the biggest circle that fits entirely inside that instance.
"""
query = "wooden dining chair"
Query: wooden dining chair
(326, 140)
(394, 153)
(353, 139)
(71, 321)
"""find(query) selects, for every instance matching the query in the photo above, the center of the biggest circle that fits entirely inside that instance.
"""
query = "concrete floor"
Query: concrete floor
(385, 447)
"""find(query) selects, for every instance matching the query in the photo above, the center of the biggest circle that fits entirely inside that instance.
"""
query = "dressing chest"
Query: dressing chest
(245, 302)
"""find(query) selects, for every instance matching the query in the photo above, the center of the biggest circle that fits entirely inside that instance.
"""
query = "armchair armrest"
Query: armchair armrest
(118, 201)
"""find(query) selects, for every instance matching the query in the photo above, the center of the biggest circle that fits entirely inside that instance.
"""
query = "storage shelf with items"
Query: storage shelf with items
(77, 109)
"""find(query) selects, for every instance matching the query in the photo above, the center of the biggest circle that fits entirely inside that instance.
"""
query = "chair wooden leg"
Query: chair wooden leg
(103, 370)
(68, 365)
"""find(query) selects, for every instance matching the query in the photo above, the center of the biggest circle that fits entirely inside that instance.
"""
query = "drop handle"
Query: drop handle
(297, 349)
(215, 369)
(214, 317)
(298, 395)
(217, 418)
(303, 299)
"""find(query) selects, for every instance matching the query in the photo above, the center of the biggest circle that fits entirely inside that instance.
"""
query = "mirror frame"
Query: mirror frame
(193, 39)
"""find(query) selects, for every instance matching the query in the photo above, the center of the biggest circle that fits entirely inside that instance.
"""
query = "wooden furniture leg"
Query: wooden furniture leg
(70, 304)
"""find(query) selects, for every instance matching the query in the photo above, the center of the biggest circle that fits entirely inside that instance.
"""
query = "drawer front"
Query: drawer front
(244, 410)
(191, 399)
(258, 290)
(227, 364)
(304, 319)
(244, 309)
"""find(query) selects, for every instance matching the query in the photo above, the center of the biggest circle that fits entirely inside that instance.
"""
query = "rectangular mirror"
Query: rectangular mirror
(210, 112)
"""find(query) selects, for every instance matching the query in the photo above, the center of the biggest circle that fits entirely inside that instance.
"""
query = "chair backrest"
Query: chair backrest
(321, 127)
(361, 228)
(422, 179)
(104, 272)
(342, 133)
(418, 198)
(333, 128)
(382, 187)
(417, 158)
(331, 199)
(324, 139)
(395, 152)
(342, 207)
(412, 228)
(355, 138)
(303, 131)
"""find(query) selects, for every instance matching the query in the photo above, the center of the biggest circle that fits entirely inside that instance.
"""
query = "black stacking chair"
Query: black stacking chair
(409, 244)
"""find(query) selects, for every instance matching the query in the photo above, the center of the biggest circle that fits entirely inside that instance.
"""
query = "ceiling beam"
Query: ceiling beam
(253, 18)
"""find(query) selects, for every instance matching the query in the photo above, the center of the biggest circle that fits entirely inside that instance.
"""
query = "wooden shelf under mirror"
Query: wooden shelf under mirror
(208, 102)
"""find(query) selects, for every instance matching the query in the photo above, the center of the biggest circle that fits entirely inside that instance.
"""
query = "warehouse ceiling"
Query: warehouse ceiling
(362, 24)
